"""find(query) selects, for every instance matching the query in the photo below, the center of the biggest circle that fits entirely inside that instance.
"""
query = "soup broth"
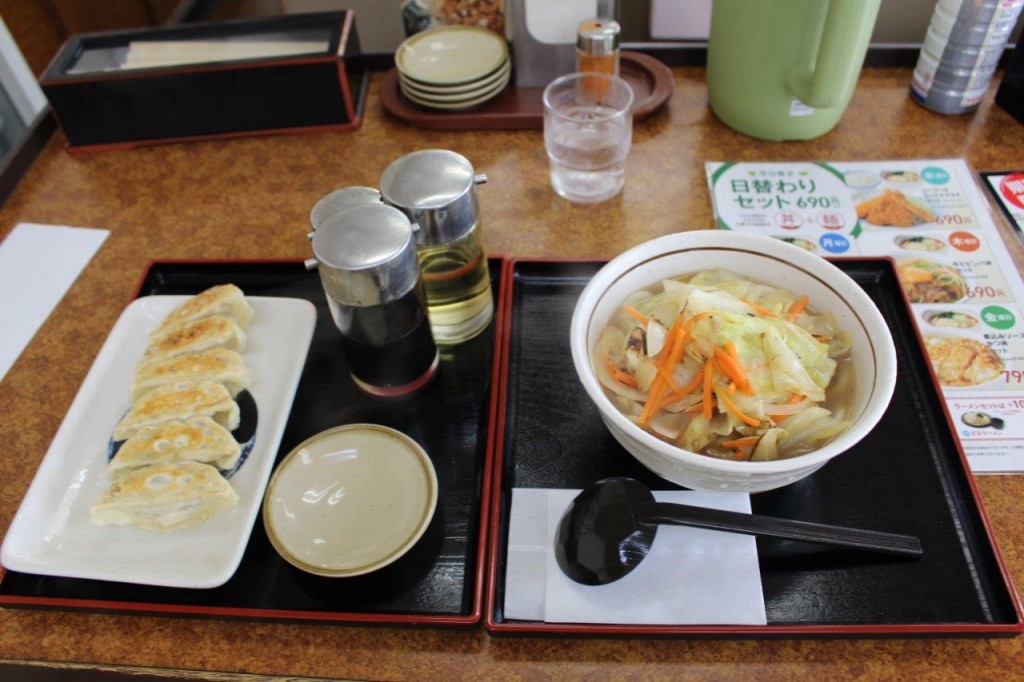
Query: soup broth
(729, 367)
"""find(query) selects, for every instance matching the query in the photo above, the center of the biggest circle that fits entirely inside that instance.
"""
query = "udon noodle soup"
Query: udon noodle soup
(728, 367)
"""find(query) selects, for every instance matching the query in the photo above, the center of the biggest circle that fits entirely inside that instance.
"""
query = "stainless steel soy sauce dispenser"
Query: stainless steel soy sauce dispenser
(339, 200)
(366, 257)
(435, 188)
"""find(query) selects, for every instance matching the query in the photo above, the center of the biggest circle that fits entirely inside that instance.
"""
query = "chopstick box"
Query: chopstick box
(284, 74)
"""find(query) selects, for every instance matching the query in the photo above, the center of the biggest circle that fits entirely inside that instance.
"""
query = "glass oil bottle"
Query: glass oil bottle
(435, 189)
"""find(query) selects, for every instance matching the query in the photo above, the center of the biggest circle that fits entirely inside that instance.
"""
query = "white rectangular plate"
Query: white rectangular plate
(51, 533)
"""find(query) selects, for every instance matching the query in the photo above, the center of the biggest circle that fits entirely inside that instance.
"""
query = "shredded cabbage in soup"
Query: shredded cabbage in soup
(728, 367)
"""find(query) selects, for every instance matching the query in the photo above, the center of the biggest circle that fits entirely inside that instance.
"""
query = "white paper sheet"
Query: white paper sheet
(691, 576)
(38, 264)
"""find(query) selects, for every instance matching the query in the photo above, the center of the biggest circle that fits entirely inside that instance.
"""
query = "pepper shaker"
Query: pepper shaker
(597, 50)
(435, 189)
(367, 260)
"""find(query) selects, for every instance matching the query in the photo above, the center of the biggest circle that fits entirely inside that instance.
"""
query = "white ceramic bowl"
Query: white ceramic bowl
(350, 500)
(760, 258)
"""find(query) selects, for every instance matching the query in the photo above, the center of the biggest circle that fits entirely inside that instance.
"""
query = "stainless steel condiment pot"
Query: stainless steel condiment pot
(435, 188)
(340, 199)
(366, 255)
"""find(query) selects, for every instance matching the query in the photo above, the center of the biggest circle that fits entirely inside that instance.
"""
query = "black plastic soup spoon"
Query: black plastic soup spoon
(610, 526)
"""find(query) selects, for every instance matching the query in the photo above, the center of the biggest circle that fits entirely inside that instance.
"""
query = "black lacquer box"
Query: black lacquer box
(295, 73)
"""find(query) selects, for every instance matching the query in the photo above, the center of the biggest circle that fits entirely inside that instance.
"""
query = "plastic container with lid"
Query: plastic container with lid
(961, 51)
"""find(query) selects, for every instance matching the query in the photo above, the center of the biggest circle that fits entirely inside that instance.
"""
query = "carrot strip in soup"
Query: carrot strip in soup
(684, 391)
(797, 307)
(619, 375)
(706, 393)
(730, 348)
(739, 413)
(636, 314)
(658, 387)
(779, 418)
(699, 407)
(748, 441)
(668, 377)
(763, 312)
(693, 320)
(734, 370)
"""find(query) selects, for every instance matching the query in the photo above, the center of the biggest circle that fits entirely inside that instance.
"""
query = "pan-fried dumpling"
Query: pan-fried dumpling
(215, 364)
(226, 300)
(164, 497)
(215, 331)
(179, 401)
(198, 439)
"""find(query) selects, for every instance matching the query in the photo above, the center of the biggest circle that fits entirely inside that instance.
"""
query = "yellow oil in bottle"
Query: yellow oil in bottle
(458, 284)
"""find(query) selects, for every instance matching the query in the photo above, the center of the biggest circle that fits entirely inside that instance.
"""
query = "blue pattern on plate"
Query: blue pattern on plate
(245, 433)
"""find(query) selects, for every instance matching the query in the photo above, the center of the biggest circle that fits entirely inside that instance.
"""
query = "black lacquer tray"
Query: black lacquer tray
(438, 583)
(909, 475)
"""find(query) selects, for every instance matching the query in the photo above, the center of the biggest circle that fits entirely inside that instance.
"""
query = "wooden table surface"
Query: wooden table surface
(250, 199)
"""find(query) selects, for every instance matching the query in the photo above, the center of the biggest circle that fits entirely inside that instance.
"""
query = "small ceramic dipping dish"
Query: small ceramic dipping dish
(350, 500)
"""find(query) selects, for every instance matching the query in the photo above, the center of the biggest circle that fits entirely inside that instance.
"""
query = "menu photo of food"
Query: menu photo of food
(972, 345)
(982, 420)
(961, 361)
(990, 423)
(894, 208)
(931, 281)
(921, 242)
(950, 319)
(805, 244)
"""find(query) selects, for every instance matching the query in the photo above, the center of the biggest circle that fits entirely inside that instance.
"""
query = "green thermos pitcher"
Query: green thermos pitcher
(786, 69)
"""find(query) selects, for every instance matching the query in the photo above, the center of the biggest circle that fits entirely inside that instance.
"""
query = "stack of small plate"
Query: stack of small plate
(453, 67)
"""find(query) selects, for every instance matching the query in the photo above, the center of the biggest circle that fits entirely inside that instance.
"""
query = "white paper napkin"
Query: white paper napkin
(691, 576)
(38, 264)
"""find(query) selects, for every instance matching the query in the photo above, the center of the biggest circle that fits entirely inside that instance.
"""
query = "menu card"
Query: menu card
(1008, 189)
(933, 219)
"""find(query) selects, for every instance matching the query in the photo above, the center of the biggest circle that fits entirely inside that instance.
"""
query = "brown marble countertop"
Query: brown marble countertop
(250, 198)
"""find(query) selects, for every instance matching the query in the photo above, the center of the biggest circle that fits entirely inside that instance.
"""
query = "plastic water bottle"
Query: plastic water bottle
(961, 51)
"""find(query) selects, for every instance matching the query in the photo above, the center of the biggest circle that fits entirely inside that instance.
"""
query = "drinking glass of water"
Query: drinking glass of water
(588, 129)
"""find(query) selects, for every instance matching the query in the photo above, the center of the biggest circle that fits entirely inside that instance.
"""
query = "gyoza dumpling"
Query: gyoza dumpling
(214, 364)
(198, 439)
(180, 401)
(164, 497)
(226, 300)
(215, 331)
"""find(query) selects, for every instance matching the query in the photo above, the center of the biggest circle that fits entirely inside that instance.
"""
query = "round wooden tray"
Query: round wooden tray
(650, 79)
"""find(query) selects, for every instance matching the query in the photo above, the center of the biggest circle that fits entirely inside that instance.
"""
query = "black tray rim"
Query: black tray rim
(536, 628)
(469, 620)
